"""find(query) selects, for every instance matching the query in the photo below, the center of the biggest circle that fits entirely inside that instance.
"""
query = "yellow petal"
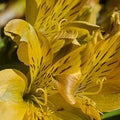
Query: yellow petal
(88, 107)
(12, 111)
(18, 31)
(66, 72)
(57, 45)
(102, 63)
(109, 98)
(107, 102)
(66, 84)
(31, 46)
(32, 12)
(65, 111)
(23, 55)
(40, 56)
(68, 64)
(100, 74)
(84, 25)
(12, 88)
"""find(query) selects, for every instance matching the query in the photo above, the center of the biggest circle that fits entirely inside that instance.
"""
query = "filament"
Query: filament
(38, 100)
(60, 23)
(99, 90)
(45, 94)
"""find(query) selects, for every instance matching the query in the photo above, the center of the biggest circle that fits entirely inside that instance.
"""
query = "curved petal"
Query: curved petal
(31, 46)
(83, 25)
(64, 110)
(109, 98)
(12, 88)
(100, 73)
(107, 67)
(66, 84)
(17, 30)
(107, 102)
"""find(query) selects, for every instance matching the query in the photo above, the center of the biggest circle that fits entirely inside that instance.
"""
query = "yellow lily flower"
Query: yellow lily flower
(73, 31)
(58, 20)
(98, 88)
(35, 97)
(51, 16)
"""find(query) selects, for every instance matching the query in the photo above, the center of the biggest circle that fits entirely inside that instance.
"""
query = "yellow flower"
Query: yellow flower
(98, 88)
(58, 20)
(51, 16)
(34, 96)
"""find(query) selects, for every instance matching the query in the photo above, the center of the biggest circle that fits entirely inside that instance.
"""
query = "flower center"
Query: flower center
(38, 106)
(37, 113)
(39, 97)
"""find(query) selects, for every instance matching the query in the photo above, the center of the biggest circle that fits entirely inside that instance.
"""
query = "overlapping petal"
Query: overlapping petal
(12, 88)
(43, 74)
(60, 20)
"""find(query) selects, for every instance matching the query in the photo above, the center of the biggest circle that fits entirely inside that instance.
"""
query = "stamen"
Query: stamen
(60, 23)
(45, 94)
(44, 113)
(41, 112)
(99, 90)
(38, 99)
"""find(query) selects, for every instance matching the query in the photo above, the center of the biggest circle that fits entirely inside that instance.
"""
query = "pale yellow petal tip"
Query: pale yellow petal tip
(18, 31)
(15, 27)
